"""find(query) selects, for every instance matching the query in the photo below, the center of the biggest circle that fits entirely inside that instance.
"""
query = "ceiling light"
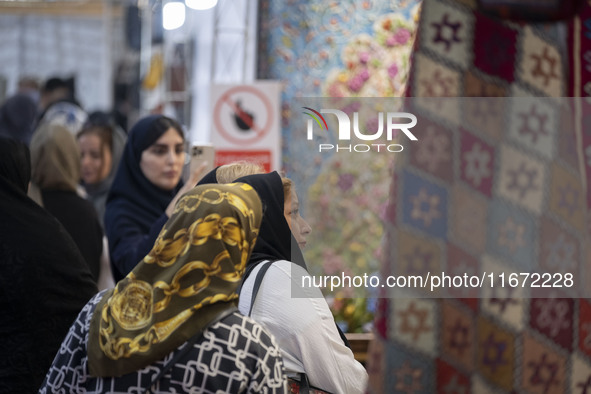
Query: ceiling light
(201, 4)
(173, 15)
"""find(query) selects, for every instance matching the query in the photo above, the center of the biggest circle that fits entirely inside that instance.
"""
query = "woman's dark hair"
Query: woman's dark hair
(164, 123)
(100, 118)
(105, 134)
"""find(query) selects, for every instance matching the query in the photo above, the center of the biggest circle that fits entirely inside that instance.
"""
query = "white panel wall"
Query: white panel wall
(231, 64)
(43, 46)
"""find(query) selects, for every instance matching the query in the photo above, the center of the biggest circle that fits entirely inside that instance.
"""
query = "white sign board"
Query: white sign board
(246, 123)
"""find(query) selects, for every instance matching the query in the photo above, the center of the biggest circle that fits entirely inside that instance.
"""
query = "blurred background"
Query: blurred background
(131, 58)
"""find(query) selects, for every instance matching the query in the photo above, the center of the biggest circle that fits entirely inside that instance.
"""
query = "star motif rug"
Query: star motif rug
(493, 194)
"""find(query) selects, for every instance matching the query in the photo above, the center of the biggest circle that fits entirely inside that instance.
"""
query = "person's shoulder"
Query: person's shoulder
(232, 319)
(286, 274)
(117, 201)
(277, 275)
(69, 204)
(250, 328)
(235, 319)
(119, 211)
(286, 267)
(68, 198)
(86, 205)
(88, 310)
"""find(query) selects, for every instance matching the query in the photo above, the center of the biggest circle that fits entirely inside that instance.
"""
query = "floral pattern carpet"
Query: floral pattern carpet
(338, 49)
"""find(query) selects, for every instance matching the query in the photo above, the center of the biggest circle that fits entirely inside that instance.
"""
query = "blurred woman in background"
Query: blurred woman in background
(101, 146)
(55, 175)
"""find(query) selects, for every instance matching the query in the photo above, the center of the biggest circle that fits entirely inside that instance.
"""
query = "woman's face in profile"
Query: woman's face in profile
(162, 162)
(95, 158)
(298, 226)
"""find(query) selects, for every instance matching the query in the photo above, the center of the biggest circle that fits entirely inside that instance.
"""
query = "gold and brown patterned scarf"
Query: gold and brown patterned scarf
(188, 278)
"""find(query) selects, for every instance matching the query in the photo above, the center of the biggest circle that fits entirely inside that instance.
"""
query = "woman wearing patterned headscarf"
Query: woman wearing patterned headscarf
(171, 324)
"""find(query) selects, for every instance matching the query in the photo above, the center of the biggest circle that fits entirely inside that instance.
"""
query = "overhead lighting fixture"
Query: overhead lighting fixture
(173, 15)
(201, 4)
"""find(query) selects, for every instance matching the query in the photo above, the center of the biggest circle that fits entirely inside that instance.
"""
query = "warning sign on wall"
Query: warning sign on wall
(246, 123)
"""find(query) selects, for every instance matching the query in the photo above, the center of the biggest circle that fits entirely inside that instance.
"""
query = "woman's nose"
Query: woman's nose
(170, 156)
(305, 227)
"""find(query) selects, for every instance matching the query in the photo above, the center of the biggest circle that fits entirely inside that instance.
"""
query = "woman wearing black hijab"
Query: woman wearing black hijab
(146, 187)
(44, 280)
(299, 318)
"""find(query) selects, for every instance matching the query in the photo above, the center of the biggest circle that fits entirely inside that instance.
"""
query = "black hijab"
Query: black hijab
(275, 241)
(17, 117)
(15, 166)
(210, 177)
(132, 194)
(44, 280)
